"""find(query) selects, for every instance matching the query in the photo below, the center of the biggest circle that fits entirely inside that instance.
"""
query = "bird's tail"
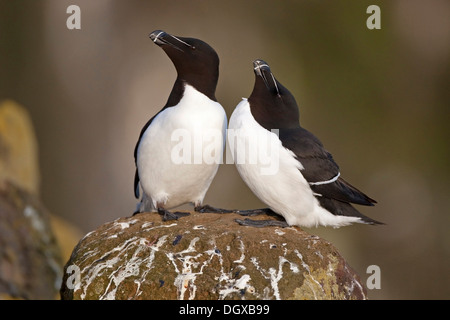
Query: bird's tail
(341, 208)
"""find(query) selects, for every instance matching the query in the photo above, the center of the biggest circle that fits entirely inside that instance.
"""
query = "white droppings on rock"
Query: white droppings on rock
(185, 279)
(124, 225)
(239, 286)
(317, 253)
(37, 223)
(354, 283)
(199, 262)
(242, 249)
(300, 256)
(150, 224)
(120, 271)
(275, 275)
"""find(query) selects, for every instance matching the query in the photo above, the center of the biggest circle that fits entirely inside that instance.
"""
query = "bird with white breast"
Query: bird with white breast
(192, 113)
(298, 178)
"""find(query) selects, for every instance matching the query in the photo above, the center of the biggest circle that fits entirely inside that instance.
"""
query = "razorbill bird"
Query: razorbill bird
(180, 148)
(301, 182)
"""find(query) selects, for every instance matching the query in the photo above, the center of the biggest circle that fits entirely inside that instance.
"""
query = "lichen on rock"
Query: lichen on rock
(205, 256)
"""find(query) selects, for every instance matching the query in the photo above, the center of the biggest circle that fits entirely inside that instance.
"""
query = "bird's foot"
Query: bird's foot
(262, 223)
(135, 213)
(209, 209)
(256, 212)
(167, 215)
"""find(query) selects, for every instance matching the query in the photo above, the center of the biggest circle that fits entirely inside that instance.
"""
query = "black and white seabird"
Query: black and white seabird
(303, 184)
(171, 176)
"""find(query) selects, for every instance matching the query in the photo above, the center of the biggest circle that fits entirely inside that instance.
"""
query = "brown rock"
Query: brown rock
(205, 256)
(30, 260)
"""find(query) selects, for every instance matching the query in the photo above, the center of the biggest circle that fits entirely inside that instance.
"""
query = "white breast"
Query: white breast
(180, 151)
(273, 173)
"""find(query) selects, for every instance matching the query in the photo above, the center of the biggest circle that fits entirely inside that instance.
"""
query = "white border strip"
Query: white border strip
(327, 181)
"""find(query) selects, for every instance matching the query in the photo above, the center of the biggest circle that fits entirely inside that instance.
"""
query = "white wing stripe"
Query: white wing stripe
(325, 182)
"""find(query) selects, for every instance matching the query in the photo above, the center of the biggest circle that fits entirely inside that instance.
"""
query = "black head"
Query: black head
(195, 61)
(271, 104)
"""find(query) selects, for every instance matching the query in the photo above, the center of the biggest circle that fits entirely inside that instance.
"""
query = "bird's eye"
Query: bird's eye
(192, 47)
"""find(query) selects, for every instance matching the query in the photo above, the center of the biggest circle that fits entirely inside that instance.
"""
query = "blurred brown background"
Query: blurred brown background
(378, 99)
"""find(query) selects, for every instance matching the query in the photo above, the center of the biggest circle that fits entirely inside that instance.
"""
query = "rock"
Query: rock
(30, 258)
(205, 256)
(18, 147)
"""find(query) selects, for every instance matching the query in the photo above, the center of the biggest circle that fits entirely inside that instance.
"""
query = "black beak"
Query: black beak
(162, 38)
(262, 70)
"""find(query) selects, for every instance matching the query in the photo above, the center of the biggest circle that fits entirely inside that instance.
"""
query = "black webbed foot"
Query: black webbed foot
(262, 223)
(207, 208)
(256, 212)
(167, 215)
(135, 213)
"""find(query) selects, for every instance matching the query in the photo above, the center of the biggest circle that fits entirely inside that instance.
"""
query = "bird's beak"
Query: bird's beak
(262, 70)
(162, 38)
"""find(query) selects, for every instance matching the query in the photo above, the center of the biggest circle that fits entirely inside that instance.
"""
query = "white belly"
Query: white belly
(180, 151)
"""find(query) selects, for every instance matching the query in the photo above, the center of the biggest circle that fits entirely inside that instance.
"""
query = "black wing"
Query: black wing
(319, 166)
(136, 176)
(174, 98)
